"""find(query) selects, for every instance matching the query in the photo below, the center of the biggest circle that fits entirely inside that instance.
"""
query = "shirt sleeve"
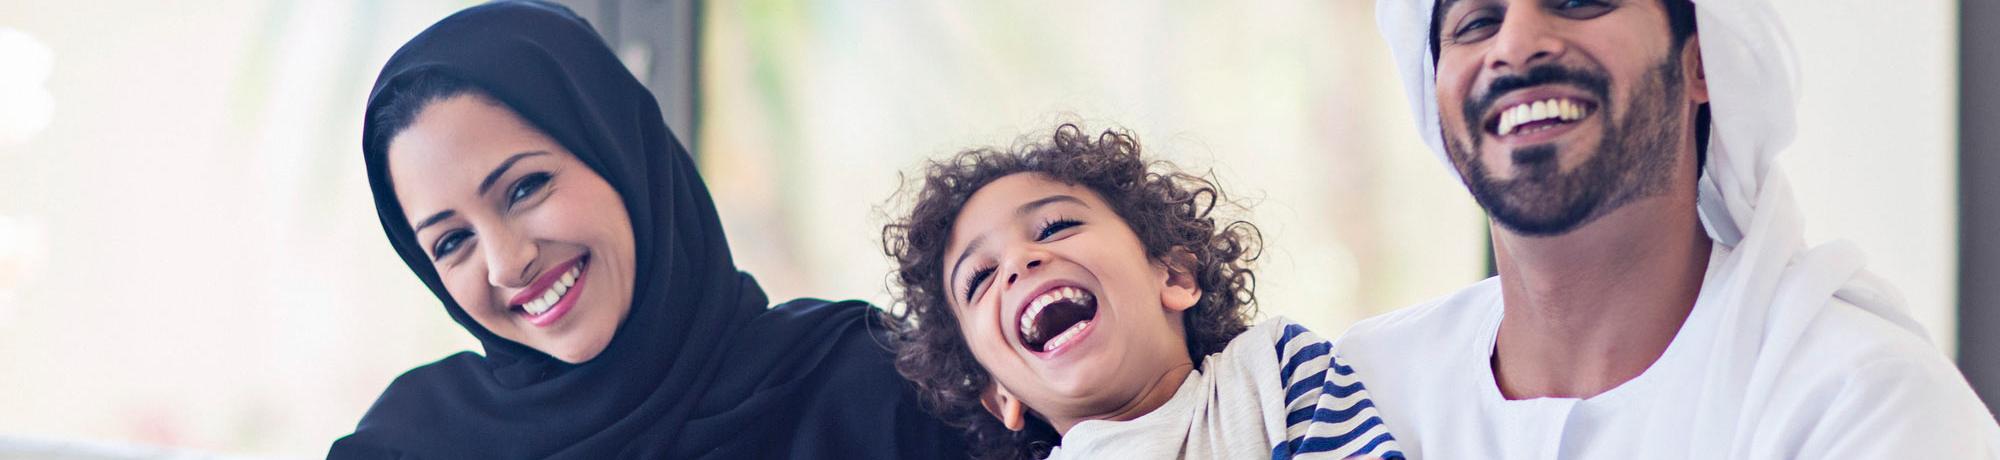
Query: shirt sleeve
(1328, 411)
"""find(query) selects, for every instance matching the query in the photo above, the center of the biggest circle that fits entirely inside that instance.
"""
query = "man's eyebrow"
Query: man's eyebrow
(1025, 209)
(502, 169)
(434, 219)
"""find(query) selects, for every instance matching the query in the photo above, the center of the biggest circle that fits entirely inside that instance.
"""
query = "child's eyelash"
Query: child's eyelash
(973, 284)
(1056, 225)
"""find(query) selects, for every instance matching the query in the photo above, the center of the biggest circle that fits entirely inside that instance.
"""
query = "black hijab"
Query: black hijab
(700, 367)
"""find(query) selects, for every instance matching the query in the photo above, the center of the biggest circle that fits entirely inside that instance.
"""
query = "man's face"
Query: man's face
(1557, 112)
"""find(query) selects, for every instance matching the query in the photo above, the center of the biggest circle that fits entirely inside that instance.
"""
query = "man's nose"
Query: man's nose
(1527, 37)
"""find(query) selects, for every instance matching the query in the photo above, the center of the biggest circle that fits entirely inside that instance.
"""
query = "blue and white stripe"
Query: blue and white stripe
(1328, 414)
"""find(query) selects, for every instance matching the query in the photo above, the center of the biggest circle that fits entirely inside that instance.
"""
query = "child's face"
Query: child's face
(1058, 300)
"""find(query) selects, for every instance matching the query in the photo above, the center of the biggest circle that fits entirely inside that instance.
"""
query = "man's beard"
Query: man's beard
(1635, 158)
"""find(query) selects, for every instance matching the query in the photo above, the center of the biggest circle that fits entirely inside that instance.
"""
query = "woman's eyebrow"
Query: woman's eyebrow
(494, 176)
(434, 219)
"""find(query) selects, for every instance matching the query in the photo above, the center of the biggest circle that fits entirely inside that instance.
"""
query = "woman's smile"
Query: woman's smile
(552, 295)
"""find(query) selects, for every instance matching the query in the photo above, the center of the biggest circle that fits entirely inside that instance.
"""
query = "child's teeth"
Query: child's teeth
(1035, 309)
(1065, 336)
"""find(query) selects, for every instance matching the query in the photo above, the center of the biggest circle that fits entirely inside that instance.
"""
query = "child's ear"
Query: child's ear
(1180, 291)
(1004, 406)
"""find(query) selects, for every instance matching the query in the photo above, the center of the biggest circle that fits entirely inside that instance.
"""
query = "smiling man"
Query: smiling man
(1655, 296)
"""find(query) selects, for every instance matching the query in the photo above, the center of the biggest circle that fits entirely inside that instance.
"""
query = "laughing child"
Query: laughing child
(1073, 299)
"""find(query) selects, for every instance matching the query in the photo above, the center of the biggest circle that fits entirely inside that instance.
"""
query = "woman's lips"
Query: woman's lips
(554, 294)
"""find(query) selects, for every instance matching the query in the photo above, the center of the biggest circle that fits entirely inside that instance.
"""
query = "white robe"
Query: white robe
(1852, 385)
(1793, 351)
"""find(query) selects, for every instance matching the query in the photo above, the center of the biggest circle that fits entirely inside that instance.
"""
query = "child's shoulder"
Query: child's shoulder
(1328, 412)
(1271, 344)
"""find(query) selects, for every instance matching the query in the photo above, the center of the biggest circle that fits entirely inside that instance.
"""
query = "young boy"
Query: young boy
(1061, 296)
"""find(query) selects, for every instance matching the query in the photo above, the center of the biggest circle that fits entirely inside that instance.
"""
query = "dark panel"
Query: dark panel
(1979, 197)
(657, 39)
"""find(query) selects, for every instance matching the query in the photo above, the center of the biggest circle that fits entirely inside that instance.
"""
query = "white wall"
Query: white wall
(1875, 161)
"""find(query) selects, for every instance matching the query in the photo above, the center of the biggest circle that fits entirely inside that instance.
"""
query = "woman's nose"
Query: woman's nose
(510, 260)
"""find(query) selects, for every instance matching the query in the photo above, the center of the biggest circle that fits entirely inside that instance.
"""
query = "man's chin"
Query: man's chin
(1539, 215)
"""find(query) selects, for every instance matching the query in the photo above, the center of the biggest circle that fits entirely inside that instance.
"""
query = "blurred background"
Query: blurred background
(190, 262)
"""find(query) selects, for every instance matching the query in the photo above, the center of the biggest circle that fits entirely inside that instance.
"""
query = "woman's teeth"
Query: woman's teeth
(548, 299)
(1035, 307)
(1558, 108)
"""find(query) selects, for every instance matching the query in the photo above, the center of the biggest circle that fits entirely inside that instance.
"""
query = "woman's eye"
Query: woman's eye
(526, 187)
(972, 285)
(448, 243)
(1056, 226)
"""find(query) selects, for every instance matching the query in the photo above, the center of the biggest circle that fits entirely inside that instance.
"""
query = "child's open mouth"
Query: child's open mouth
(1057, 318)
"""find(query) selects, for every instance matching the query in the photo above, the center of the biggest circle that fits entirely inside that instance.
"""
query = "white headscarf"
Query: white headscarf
(1771, 285)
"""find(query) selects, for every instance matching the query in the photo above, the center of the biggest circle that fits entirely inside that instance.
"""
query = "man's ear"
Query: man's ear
(1179, 290)
(1004, 406)
(1696, 72)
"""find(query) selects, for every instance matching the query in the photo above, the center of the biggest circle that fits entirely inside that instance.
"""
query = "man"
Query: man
(1655, 298)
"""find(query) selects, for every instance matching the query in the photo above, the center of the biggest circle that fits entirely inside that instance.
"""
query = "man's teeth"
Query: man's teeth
(548, 299)
(1074, 295)
(1065, 336)
(1562, 109)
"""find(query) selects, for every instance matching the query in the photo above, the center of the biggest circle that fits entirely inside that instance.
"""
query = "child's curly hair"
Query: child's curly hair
(1168, 210)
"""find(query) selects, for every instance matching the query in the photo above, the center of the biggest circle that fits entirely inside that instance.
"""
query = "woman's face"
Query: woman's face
(535, 246)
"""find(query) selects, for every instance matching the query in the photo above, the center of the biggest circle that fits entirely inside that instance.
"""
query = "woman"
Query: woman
(529, 180)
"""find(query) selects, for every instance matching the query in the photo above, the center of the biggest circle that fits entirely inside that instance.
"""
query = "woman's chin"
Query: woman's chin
(577, 345)
(577, 353)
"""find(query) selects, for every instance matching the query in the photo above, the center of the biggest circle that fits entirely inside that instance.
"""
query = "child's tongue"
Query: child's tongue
(1057, 318)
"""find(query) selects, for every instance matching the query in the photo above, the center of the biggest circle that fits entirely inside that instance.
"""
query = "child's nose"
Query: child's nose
(1030, 265)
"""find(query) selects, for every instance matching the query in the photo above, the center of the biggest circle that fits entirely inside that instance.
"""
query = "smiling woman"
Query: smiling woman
(528, 179)
(516, 241)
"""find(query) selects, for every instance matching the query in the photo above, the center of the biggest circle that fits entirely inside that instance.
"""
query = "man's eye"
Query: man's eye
(526, 187)
(1582, 9)
(1475, 28)
(448, 243)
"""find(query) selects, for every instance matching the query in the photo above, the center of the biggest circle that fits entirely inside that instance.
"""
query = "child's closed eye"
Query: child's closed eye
(972, 285)
(1050, 228)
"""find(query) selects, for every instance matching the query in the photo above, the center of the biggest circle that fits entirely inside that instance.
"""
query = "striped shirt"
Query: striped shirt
(1273, 391)
(1327, 411)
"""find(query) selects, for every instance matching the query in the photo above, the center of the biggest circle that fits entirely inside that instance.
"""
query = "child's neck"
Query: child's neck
(1155, 394)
